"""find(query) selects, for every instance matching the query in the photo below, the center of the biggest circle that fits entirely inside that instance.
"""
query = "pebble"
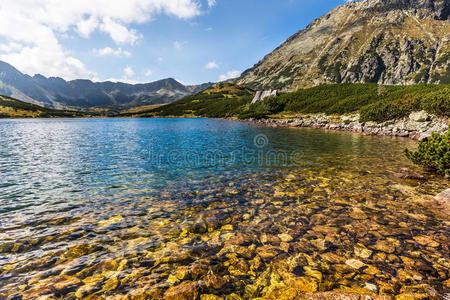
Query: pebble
(285, 237)
(362, 252)
(187, 290)
(355, 264)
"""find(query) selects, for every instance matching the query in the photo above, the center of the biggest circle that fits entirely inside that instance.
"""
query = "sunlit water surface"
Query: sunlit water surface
(197, 206)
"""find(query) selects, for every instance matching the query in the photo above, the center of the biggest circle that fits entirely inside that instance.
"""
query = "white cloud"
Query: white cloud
(119, 33)
(11, 46)
(148, 73)
(110, 51)
(128, 71)
(211, 65)
(36, 25)
(230, 75)
(211, 3)
(87, 26)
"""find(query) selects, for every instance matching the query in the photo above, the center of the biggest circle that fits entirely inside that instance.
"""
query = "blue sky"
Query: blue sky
(147, 40)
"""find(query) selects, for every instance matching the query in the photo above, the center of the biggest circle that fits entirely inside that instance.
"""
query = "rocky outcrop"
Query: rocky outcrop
(261, 95)
(383, 41)
(411, 127)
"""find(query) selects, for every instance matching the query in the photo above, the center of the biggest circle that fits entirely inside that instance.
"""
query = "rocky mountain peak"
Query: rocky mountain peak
(383, 41)
(436, 9)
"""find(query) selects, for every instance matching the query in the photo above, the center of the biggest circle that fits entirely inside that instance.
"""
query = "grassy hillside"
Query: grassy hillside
(12, 108)
(221, 100)
(374, 102)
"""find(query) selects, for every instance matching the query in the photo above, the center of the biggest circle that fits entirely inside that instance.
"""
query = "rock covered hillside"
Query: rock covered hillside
(384, 41)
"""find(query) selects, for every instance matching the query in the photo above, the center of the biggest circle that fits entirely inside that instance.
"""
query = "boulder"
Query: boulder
(443, 199)
(419, 116)
(444, 196)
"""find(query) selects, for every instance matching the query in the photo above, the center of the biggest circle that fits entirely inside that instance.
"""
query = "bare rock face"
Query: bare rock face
(261, 95)
(382, 41)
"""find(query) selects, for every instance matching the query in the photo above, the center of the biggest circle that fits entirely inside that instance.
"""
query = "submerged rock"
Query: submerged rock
(388, 246)
(285, 237)
(185, 291)
(355, 264)
(362, 251)
(341, 296)
(408, 174)
(67, 284)
(426, 241)
(303, 284)
(267, 252)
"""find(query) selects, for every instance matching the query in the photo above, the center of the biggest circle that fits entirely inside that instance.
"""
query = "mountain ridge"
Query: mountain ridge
(382, 41)
(56, 92)
(13, 108)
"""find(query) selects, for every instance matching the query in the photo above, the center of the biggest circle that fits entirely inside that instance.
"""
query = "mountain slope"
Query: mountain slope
(58, 93)
(384, 41)
(17, 85)
(12, 108)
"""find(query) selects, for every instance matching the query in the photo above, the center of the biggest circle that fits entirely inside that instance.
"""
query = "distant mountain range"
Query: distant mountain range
(55, 92)
(377, 41)
(13, 108)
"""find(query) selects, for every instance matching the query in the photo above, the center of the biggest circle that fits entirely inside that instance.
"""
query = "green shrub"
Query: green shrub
(373, 102)
(383, 111)
(433, 153)
(437, 102)
(252, 115)
(268, 106)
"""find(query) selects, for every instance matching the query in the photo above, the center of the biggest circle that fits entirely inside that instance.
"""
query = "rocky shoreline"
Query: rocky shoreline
(418, 126)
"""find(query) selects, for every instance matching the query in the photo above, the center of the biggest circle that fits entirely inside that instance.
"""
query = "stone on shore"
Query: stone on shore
(419, 116)
(417, 126)
(443, 200)
(444, 197)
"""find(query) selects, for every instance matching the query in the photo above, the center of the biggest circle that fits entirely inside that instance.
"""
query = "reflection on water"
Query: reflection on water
(86, 209)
